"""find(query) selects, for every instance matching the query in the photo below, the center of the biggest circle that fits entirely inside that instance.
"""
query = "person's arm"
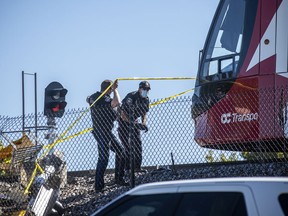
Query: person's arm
(144, 119)
(124, 116)
(116, 101)
(146, 108)
(142, 126)
(90, 99)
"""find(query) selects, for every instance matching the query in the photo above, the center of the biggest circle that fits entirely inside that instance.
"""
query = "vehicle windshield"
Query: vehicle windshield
(228, 36)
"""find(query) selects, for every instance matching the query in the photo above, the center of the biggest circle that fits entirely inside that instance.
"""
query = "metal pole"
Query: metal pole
(131, 151)
(51, 135)
(35, 91)
(23, 103)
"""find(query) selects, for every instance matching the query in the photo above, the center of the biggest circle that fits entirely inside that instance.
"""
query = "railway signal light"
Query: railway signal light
(54, 104)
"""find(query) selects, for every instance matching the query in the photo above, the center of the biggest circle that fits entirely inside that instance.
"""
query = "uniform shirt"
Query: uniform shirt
(103, 115)
(137, 105)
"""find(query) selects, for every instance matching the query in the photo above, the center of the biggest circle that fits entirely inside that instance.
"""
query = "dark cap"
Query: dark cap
(105, 84)
(144, 85)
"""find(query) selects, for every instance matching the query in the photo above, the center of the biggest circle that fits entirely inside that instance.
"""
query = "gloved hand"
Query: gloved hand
(88, 99)
(141, 126)
(115, 85)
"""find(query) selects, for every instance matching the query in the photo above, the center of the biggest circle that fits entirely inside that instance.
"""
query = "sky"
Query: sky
(80, 43)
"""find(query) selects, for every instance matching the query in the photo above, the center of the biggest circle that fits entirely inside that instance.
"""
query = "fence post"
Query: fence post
(131, 149)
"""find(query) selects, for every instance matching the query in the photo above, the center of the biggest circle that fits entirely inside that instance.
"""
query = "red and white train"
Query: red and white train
(241, 92)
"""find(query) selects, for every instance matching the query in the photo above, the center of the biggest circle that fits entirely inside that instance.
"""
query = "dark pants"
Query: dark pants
(106, 140)
(136, 145)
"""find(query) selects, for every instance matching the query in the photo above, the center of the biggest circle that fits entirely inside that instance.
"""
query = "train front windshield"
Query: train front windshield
(228, 40)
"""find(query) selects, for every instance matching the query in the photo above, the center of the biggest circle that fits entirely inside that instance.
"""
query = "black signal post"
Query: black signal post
(54, 105)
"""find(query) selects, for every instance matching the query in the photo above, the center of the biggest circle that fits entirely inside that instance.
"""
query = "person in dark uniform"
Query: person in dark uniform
(133, 117)
(104, 113)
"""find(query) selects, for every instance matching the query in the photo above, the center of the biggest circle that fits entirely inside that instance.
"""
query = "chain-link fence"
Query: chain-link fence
(33, 158)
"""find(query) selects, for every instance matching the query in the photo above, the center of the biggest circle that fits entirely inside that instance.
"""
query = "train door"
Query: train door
(281, 65)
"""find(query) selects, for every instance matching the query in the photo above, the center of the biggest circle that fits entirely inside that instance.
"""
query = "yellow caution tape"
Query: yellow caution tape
(37, 167)
(8, 160)
(49, 146)
(237, 83)
(77, 134)
(73, 124)
(22, 213)
(158, 78)
(72, 136)
(151, 105)
(19, 213)
(245, 86)
(61, 139)
(169, 98)
(31, 180)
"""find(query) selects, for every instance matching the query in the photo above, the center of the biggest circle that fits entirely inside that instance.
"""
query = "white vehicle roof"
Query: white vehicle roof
(261, 193)
(174, 186)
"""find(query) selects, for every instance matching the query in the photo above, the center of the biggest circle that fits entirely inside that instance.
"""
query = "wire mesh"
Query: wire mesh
(235, 127)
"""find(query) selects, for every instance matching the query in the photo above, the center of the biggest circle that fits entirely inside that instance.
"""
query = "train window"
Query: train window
(213, 68)
(212, 204)
(221, 68)
(283, 199)
(228, 37)
(226, 65)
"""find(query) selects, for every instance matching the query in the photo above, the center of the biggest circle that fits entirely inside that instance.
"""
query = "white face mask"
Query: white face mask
(144, 93)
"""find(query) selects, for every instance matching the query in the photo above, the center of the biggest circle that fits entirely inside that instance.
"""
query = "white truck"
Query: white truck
(239, 196)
